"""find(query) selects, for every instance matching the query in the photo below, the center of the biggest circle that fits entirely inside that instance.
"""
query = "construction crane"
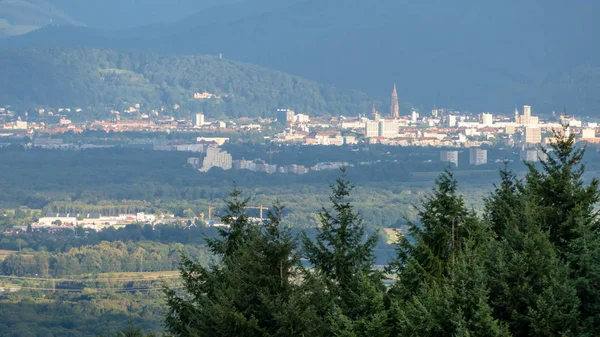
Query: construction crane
(259, 207)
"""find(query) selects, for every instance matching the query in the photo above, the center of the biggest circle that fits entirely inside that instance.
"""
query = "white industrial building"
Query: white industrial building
(477, 156)
(91, 220)
(529, 155)
(449, 157)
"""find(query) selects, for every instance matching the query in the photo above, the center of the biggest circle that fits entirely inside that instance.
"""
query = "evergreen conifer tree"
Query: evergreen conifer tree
(441, 287)
(445, 226)
(568, 211)
(566, 203)
(455, 305)
(342, 260)
(530, 288)
(254, 291)
(237, 225)
(503, 208)
(584, 260)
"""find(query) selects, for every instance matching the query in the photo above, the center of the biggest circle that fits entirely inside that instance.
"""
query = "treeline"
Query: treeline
(85, 77)
(117, 180)
(75, 314)
(101, 171)
(63, 241)
(105, 257)
(192, 233)
(115, 174)
(528, 267)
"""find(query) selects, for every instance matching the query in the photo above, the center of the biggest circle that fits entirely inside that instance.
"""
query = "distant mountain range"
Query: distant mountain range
(463, 54)
(21, 16)
(87, 77)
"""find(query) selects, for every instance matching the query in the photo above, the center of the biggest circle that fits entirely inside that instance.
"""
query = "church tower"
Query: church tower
(395, 107)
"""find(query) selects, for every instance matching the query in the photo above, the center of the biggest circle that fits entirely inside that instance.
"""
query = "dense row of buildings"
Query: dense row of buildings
(259, 165)
(477, 156)
(215, 157)
(90, 220)
(444, 128)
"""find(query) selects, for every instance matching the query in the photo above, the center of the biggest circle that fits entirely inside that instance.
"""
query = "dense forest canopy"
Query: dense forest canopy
(94, 78)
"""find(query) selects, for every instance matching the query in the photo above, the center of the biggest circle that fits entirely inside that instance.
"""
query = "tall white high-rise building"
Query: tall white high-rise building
(487, 119)
(371, 129)
(451, 120)
(534, 120)
(216, 158)
(388, 128)
(533, 135)
(526, 118)
(530, 155)
(527, 111)
(199, 119)
(449, 157)
(413, 117)
(477, 156)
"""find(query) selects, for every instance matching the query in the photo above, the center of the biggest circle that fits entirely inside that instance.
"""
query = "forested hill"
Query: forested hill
(463, 54)
(93, 77)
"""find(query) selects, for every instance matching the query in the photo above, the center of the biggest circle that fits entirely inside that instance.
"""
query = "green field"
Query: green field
(140, 275)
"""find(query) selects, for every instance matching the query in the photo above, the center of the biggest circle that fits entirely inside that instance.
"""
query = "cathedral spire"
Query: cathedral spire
(395, 106)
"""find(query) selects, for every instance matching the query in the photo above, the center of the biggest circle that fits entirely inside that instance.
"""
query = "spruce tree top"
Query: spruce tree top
(559, 188)
(341, 249)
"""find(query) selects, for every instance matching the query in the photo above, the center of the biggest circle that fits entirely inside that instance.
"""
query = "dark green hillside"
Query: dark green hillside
(92, 77)
(462, 54)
